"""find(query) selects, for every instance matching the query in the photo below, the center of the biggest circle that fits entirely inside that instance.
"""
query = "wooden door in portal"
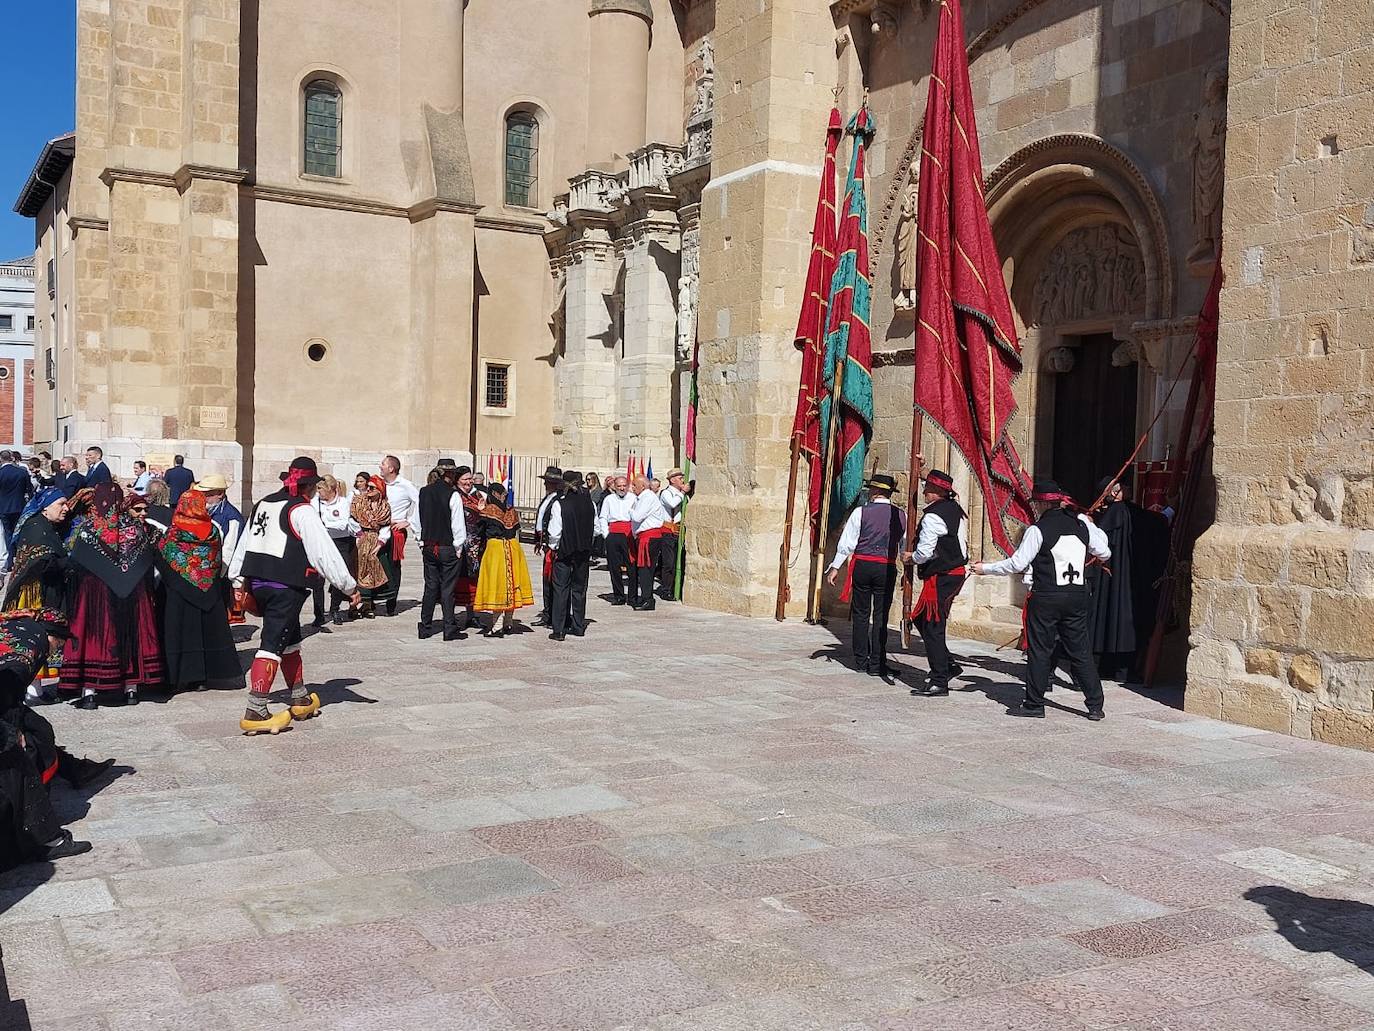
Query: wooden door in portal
(1094, 417)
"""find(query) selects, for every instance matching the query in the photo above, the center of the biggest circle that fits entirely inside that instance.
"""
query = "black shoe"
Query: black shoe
(956, 671)
(558, 637)
(425, 632)
(931, 691)
(338, 617)
(130, 698)
(1096, 715)
(647, 608)
(67, 846)
(86, 771)
(453, 635)
(617, 601)
(1030, 712)
(320, 619)
(578, 633)
(86, 701)
(542, 621)
(391, 608)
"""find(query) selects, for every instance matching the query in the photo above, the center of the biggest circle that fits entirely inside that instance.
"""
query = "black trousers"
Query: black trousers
(1054, 620)
(546, 593)
(646, 572)
(933, 632)
(570, 592)
(667, 565)
(874, 585)
(441, 568)
(27, 820)
(281, 617)
(623, 574)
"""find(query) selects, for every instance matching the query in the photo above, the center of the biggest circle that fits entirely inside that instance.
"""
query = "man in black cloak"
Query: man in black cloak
(1126, 591)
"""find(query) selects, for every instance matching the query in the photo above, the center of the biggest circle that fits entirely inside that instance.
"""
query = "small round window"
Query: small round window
(4, 372)
(317, 350)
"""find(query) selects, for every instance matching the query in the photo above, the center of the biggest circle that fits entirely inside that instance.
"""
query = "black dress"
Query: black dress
(27, 820)
(195, 623)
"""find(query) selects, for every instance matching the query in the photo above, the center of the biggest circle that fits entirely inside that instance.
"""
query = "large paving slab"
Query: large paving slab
(692, 821)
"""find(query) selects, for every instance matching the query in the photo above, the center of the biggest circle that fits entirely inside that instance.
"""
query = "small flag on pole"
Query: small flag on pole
(510, 479)
(649, 472)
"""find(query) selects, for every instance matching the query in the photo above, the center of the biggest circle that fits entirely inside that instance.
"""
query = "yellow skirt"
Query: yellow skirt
(503, 584)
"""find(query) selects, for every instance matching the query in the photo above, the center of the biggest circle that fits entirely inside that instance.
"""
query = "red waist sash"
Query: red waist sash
(620, 526)
(927, 606)
(642, 541)
(548, 563)
(849, 573)
(50, 772)
(670, 529)
(398, 545)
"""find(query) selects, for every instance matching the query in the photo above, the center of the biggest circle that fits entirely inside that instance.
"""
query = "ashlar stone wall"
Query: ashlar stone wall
(1283, 600)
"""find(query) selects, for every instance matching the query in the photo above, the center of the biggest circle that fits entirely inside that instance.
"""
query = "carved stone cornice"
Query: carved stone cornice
(434, 206)
(187, 173)
(642, 8)
(321, 199)
(77, 223)
(138, 176)
(178, 180)
(507, 223)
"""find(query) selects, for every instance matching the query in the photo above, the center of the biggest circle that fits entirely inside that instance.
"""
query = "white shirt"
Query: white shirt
(549, 499)
(141, 482)
(673, 500)
(929, 531)
(337, 516)
(320, 551)
(849, 536)
(458, 522)
(647, 512)
(614, 509)
(1030, 544)
(404, 499)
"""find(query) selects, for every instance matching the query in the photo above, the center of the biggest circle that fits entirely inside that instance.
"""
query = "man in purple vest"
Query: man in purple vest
(873, 537)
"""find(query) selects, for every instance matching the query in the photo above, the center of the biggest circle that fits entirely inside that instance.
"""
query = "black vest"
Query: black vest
(1059, 566)
(949, 553)
(579, 522)
(436, 518)
(273, 551)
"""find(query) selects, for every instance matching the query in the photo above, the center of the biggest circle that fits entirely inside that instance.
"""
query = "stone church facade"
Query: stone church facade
(1126, 144)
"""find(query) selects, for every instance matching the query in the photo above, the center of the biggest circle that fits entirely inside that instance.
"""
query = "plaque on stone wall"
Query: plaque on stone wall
(212, 417)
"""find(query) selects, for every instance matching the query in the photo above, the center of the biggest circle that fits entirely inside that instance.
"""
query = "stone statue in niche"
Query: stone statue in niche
(907, 250)
(1209, 157)
(687, 290)
(1094, 272)
(705, 84)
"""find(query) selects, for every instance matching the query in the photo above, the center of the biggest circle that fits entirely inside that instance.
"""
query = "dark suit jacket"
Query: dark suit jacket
(70, 482)
(179, 480)
(97, 474)
(15, 489)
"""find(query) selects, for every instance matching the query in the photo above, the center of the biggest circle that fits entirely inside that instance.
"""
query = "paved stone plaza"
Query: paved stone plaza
(693, 821)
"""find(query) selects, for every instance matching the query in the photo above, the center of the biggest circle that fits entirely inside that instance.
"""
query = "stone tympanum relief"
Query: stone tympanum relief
(906, 251)
(1209, 158)
(1094, 272)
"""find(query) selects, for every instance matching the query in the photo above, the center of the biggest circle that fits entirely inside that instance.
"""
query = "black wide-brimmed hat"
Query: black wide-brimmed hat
(1048, 490)
(553, 474)
(302, 471)
(572, 477)
(882, 481)
(938, 479)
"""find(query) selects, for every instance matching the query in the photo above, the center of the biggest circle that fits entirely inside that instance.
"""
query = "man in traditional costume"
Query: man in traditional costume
(941, 556)
(404, 499)
(674, 498)
(444, 533)
(613, 524)
(1126, 594)
(1056, 551)
(284, 542)
(571, 529)
(873, 537)
(473, 501)
(553, 490)
(647, 516)
(229, 520)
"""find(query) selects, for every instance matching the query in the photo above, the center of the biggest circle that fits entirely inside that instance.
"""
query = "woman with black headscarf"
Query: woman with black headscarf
(114, 646)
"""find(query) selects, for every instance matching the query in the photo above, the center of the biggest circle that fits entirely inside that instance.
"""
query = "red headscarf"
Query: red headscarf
(192, 516)
(378, 482)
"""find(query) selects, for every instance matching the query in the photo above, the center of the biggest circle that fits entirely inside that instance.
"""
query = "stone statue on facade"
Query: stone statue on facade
(1209, 157)
(907, 250)
(1093, 273)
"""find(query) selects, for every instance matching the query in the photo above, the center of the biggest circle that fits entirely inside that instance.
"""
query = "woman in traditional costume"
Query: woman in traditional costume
(373, 515)
(504, 582)
(195, 622)
(38, 579)
(470, 553)
(114, 644)
(29, 754)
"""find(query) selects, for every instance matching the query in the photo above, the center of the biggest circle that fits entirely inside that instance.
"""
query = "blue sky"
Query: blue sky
(40, 76)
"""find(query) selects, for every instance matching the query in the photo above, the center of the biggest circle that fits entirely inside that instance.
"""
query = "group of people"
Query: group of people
(1080, 611)
(637, 526)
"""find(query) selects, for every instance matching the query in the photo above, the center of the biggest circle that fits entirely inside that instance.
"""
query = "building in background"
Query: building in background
(16, 353)
(504, 226)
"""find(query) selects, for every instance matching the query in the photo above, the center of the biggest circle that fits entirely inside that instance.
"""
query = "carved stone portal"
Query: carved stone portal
(1209, 158)
(1094, 272)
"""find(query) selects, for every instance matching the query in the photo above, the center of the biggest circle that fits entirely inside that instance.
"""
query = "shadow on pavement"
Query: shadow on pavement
(1342, 927)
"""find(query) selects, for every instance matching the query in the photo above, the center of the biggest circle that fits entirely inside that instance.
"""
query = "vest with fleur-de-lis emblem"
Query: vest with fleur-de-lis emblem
(1058, 568)
(273, 550)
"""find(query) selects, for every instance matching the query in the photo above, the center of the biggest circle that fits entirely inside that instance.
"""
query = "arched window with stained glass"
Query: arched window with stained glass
(323, 125)
(522, 160)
